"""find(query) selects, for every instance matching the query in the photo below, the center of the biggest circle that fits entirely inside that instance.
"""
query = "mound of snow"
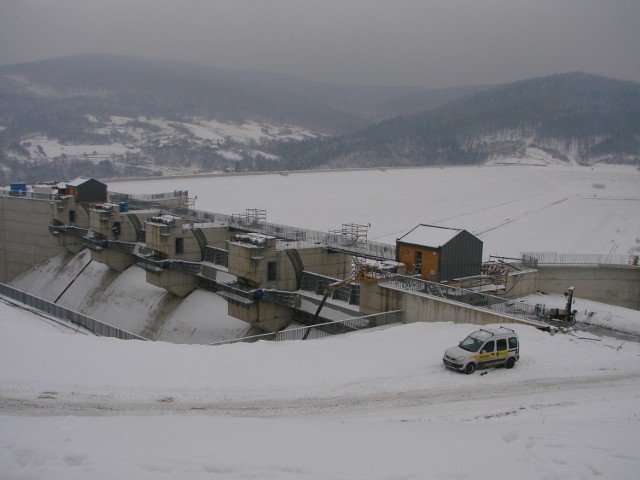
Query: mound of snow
(378, 404)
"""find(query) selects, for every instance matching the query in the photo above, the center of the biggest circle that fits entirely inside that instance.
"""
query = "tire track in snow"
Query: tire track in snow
(521, 216)
(479, 210)
(83, 405)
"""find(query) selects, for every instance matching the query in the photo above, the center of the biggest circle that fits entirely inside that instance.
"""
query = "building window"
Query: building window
(271, 271)
(72, 216)
(179, 245)
(418, 261)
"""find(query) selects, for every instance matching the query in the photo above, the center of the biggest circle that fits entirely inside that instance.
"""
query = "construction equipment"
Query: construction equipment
(565, 316)
(360, 274)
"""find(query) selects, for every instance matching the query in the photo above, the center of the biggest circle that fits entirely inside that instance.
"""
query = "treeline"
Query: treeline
(596, 117)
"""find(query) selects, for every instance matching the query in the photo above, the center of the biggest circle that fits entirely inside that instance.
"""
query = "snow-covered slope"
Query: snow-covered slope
(139, 141)
(376, 405)
(128, 302)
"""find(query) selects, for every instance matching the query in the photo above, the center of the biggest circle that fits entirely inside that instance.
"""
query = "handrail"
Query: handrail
(533, 259)
(324, 329)
(369, 249)
(508, 307)
(95, 326)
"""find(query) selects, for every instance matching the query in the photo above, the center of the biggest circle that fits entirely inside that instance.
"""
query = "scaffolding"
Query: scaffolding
(352, 234)
(251, 216)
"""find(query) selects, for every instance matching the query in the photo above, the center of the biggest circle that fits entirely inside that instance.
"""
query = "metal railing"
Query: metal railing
(217, 256)
(369, 249)
(325, 329)
(126, 197)
(316, 283)
(95, 326)
(533, 259)
(509, 307)
(22, 194)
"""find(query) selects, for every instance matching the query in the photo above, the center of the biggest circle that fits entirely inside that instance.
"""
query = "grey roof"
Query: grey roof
(430, 235)
(76, 182)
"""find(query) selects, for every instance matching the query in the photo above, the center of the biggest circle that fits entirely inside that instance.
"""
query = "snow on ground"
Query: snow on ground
(512, 209)
(377, 404)
(593, 313)
(531, 156)
(246, 132)
(53, 149)
(142, 132)
(128, 302)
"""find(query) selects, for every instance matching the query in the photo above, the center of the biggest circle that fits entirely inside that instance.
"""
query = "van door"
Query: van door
(502, 350)
(514, 347)
(487, 353)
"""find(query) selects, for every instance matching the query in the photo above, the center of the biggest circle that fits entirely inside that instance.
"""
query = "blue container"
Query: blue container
(19, 187)
(124, 206)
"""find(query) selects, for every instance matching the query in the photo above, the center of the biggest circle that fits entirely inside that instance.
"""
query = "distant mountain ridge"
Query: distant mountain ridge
(161, 87)
(74, 101)
(109, 116)
(573, 117)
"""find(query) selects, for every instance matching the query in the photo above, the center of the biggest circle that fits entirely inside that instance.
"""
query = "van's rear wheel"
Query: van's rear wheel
(510, 362)
(470, 368)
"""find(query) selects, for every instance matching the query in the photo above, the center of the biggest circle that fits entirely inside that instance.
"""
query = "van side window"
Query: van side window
(489, 346)
(502, 344)
(513, 343)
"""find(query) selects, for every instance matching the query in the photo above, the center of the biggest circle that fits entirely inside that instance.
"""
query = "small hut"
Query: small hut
(439, 254)
(86, 190)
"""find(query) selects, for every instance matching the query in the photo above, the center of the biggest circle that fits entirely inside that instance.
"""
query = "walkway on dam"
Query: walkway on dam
(349, 241)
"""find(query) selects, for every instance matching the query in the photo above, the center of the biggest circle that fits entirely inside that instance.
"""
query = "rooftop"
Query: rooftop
(429, 235)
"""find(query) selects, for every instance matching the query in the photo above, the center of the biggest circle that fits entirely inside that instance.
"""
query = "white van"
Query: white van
(487, 347)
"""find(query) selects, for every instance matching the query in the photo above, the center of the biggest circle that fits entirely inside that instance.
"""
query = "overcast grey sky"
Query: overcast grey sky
(432, 43)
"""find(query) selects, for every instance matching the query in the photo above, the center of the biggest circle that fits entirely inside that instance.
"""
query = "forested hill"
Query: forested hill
(575, 116)
(109, 116)
(131, 86)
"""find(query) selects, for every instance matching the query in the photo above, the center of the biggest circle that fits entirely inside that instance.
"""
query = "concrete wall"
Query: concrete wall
(421, 308)
(112, 224)
(102, 221)
(114, 259)
(325, 262)
(613, 284)
(25, 240)
(217, 236)
(266, 317)
(66, 211)
(250, 262)
(164, 238)
(521, 284)
(317, 260)
(175, 282)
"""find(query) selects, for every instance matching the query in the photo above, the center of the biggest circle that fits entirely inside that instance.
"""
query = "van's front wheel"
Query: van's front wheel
(470, 368)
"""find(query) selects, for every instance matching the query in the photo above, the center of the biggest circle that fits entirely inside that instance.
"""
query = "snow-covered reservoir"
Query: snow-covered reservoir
(511, 208)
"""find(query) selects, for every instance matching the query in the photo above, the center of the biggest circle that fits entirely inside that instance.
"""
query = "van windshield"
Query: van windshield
(470, 344)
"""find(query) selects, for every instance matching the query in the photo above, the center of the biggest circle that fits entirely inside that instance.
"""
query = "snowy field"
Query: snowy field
(229, 140)
(372, 405)
(512, 209)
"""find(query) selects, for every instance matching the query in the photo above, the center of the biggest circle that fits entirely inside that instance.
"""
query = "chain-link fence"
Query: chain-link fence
(533, 259)
(95, 326)
(325, 329)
